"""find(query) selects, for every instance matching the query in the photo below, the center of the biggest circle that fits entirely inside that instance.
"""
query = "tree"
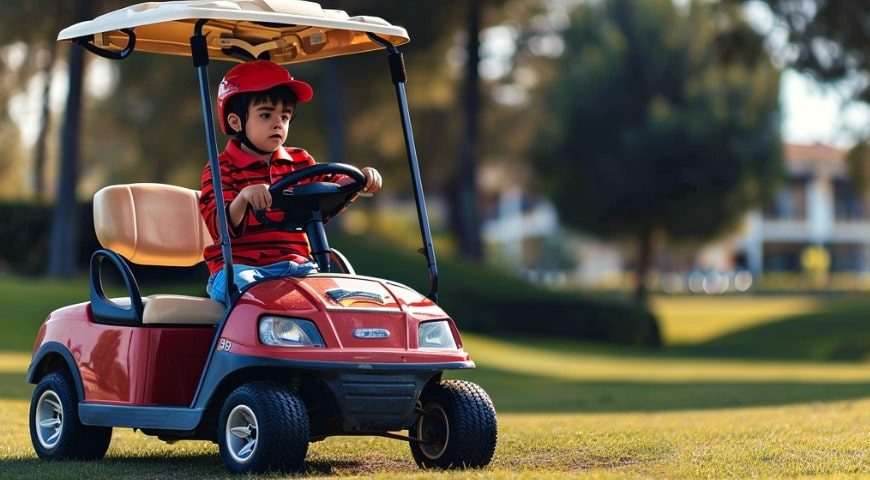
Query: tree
(438, 136)
(40, 153)
(36, 36)
(465, 203)
(658, 124)
(150, 127)
(366, 92)
(63, 244)
(829, 39)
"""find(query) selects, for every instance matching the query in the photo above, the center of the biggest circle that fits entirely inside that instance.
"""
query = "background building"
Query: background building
(817, 206)
(816, 216)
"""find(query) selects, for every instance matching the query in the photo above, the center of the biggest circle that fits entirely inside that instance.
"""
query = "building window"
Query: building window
(847, 258)
(782, 257)
(790, 202)
(848, 203)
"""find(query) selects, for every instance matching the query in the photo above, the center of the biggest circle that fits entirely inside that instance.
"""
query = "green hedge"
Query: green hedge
(561, 316)
(25, 229)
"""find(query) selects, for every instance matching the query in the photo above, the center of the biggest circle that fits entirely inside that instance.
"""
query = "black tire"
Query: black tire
(55, 429)
(277, 429)
(458, 428)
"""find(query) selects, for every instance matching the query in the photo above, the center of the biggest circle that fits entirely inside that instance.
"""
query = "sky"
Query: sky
(814, 113)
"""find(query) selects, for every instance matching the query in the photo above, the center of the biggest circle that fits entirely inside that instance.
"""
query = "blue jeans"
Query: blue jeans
(245, 274)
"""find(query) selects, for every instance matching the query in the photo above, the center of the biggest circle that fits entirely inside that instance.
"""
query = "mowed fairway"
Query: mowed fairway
(570, 410)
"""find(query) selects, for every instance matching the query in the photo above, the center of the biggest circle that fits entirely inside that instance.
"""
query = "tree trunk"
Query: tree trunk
(64, 241)
(644, 260)
(39, 156)
(334, 112)
(470, 244)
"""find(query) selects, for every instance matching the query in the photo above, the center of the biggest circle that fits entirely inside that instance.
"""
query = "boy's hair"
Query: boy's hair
(240, 103)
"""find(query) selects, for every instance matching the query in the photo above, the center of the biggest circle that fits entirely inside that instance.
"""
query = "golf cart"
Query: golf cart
(287, 361)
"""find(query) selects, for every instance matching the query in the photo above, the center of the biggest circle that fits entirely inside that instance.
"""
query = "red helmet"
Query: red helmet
(257, 76)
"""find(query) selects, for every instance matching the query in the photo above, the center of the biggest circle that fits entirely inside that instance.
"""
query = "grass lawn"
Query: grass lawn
(785, 327)
(822, 440)
(690, 320)
(755, 397)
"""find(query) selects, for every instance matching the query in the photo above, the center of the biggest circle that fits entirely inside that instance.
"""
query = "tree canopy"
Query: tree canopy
(829, 39)
(663, 120)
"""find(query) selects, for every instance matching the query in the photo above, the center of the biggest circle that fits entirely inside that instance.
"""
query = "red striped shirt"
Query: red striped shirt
(253, 243)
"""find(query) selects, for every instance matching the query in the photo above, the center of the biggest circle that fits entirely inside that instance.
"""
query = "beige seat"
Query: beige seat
(154, 224)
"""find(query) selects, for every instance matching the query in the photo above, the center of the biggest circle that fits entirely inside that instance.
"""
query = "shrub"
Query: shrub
(26, 228)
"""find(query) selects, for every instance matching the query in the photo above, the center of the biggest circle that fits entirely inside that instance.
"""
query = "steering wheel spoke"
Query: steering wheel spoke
(301, 193)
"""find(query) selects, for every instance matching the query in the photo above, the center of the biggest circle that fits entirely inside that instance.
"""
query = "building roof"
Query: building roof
(804, 159)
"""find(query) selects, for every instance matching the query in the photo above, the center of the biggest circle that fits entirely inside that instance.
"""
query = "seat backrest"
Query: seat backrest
(151, 223)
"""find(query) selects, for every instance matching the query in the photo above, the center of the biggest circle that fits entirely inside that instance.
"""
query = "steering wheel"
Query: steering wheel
(315, 200)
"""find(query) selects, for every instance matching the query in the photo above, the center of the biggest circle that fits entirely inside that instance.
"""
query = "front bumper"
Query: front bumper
(370, 397)
(376, 402)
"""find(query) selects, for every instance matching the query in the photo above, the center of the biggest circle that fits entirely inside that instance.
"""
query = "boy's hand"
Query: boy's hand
(257, 196)
(373, 180)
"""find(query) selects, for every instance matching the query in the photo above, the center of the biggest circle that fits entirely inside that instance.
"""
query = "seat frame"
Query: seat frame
(104, 309)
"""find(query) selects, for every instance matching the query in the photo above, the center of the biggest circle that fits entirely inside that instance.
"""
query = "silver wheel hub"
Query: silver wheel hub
(241, 433)
(433, 429)
(49, 419)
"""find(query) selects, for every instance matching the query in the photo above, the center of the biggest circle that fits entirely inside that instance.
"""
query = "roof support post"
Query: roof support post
(397, 71)
(199, 52)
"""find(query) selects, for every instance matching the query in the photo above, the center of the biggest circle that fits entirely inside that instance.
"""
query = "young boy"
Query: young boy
(256, 102)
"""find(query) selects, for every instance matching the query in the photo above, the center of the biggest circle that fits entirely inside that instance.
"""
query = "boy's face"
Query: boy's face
(267, 124)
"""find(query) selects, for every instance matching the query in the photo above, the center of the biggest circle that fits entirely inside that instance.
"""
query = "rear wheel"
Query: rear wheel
(457, 427)
(55, 429)
(263, 426)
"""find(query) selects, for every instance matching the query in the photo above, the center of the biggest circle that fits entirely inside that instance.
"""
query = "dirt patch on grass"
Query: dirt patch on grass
(372, 463)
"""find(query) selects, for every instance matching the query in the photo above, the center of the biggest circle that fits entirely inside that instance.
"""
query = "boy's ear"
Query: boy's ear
(235, 122)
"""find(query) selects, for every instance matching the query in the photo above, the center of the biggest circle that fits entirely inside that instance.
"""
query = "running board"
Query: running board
(161, 418)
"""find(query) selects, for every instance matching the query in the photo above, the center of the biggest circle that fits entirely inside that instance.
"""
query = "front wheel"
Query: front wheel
(55, 429)
(457, 427)
(263, 426)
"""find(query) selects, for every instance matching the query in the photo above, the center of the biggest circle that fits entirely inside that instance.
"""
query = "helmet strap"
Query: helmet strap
(240, 135)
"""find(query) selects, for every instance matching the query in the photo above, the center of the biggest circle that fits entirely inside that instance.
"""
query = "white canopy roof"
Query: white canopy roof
(290, 30)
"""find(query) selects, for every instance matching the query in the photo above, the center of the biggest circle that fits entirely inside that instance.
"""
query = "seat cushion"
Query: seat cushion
(181, 310)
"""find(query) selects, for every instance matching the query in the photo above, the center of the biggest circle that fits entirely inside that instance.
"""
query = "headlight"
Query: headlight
(436, 335)
(289, 332)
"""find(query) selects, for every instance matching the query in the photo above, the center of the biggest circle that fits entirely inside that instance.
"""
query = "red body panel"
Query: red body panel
(148, 365)
(130, 365)
(402, 313)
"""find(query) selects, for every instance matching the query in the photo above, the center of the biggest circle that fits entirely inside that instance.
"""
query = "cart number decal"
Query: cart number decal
(225, 345)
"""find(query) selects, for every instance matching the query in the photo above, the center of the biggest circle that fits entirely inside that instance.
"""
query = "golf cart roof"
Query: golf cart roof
(290, 31)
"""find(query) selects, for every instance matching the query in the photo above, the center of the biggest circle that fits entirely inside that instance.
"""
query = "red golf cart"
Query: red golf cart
(287, 361)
